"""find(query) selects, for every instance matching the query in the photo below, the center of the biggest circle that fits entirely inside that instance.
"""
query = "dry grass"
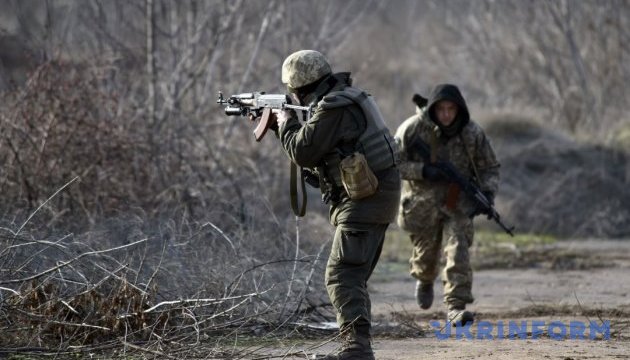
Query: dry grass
(148, 297)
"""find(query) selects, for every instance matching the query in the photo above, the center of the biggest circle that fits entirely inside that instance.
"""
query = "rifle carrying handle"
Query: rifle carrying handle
(267, 119)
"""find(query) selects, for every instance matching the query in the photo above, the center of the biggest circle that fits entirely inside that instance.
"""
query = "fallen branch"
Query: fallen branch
(66, 263)
(205, 301)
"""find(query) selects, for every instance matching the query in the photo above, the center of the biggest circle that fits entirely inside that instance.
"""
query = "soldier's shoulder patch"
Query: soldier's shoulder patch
(332, 101)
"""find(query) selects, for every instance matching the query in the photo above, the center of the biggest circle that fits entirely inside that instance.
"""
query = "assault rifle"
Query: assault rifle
(258, 106)
(471, 189)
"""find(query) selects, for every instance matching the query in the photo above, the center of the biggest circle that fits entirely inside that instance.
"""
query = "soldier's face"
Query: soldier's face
(446, 111)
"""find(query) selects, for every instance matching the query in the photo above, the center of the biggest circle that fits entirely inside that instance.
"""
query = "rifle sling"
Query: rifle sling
(293, 191)
(472, 163)
(433, 153)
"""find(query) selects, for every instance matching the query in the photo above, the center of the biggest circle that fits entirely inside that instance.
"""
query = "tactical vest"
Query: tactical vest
(375, 143)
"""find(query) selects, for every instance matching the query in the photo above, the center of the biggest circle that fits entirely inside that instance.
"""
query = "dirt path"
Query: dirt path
(598, 291)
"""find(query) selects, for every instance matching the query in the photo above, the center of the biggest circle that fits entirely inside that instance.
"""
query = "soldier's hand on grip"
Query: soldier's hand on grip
(282, 116)
(481, 210)
(433, 173)
(490, 196)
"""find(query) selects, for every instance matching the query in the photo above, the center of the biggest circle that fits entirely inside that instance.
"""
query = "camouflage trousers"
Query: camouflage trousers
(426, 256)
(355, 251)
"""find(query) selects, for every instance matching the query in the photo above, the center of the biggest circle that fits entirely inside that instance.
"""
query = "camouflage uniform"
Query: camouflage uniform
(424, 212)
(333, 129)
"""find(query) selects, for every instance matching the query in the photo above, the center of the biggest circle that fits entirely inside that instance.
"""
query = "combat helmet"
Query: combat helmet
(304, 67)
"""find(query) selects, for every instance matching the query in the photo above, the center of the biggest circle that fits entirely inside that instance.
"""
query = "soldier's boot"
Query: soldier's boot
(458, 316)
(354, 347)
(424, 294)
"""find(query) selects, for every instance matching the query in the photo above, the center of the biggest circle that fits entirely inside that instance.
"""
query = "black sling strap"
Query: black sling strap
(293, 191)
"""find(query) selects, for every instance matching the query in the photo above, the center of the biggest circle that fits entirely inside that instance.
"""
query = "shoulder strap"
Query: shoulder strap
(434, 146)
(472, 163)
(293, 191)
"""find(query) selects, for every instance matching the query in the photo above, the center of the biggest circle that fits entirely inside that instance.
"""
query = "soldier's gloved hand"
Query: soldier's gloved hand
(433, 173)
(282, 116)
(479, 210)
(490, 196)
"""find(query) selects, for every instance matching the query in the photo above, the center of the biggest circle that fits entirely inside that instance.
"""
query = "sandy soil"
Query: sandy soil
(598, 292)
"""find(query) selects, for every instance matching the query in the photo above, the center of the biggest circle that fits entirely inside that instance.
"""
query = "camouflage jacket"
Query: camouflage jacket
(467, 142)
(325, 133)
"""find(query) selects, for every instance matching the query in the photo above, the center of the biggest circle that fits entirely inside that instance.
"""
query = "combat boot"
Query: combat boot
(459, 316)
(424, 294)
(354, 347)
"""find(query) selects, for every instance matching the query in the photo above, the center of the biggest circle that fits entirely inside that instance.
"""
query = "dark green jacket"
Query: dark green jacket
(309, 144)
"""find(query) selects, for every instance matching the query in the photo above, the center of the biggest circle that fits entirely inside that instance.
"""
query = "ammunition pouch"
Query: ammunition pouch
(356, 177)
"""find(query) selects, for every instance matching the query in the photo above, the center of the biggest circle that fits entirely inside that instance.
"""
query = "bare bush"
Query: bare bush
(59, 126)
(553, 184)
(150, 287)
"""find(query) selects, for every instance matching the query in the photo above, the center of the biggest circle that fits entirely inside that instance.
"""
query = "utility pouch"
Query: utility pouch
(357, 177)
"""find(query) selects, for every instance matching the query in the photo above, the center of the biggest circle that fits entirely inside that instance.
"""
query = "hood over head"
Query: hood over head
(451, 93)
